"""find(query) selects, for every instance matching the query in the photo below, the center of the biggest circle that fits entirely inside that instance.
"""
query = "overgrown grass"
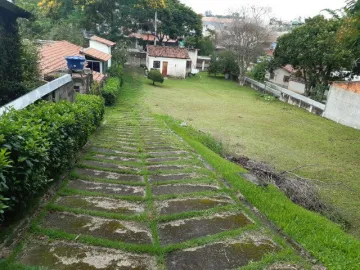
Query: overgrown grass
(273, 132)
(322, 238)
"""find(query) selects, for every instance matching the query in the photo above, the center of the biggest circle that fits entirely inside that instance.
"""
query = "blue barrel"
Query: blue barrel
(75, 62)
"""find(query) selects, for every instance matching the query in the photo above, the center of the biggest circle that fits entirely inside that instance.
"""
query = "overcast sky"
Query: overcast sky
(282, 9)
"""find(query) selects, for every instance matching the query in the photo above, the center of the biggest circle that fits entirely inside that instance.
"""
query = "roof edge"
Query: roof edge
(19, 12)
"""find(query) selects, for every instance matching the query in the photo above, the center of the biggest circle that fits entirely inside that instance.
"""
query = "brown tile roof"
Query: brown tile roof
(96, 54)
(52, 55)
(217, 20)
(168, 52)
(348, 86)
(289, 68)
(150, 37)
(97, 76)
(103, 40)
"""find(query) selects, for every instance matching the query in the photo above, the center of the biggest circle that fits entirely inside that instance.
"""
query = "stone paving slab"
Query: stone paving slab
(116, 158)
(105, 165)
(155, 168)
(175, 177)
(111, 151)
(182, 189)
(167, 159)
(186, 229)
(228, 254)
(168, 153)
(175, 206)
(106, 188)
(60, 255)
(109, 175)
(101, 204)
(111, 229)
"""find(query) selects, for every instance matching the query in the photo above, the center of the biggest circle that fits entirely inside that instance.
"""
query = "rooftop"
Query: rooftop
(18, 12)
(216, 20)
(103, 41)
(94, 53)
(168, 52)
(150, 37)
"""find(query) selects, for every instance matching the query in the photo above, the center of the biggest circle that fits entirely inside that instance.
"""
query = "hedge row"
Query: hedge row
(111, 90)
(39, 142)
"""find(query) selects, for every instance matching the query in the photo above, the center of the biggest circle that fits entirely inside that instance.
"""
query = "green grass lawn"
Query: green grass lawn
(273, 132)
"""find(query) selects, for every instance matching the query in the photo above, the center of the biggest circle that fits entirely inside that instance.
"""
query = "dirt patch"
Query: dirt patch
(299, 190)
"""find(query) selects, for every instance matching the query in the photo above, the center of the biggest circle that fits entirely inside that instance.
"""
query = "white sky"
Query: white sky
(283, 9)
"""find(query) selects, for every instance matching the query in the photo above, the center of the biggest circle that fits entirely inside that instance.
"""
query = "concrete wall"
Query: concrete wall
(279, 77)
(176, 67)
(343, 106)
(101, 47)
(297, 87)
(56, 90)
(193, 54)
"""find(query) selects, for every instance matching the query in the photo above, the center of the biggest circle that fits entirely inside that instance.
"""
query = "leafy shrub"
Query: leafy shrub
(111, 91)
(95, 88)
(155, 76)
(116, 70)
(39, 142)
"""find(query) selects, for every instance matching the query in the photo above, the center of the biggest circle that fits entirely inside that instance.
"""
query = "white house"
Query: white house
(170, 61)
(102, 45)
(284, 77)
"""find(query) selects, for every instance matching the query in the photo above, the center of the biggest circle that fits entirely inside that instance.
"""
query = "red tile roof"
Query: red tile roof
(96, 54)
(52, 55)
(269, 52)
(98, 76)
(168, 52)
(150, 37)
(217, 20)
(103, 41)
(289, 68)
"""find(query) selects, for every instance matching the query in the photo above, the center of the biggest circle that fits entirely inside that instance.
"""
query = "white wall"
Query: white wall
(176, 67)
(102, 48)
(343, 107)
(193, 54)
(279, 77)
(297, 87)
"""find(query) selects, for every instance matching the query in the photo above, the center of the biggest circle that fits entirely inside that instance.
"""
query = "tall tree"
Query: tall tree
(314, 49)
(245, 36)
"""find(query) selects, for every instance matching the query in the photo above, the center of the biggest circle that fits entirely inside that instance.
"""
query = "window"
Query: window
(94, 65)
(156, 64)
(286, 78)
(188, 64)
(272, 75)
(77, 88)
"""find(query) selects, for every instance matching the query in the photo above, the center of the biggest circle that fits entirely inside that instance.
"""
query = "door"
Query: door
(165, 69)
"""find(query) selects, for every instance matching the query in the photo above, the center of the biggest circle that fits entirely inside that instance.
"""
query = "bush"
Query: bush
(155, 76)
(111, 91)
(40, 142)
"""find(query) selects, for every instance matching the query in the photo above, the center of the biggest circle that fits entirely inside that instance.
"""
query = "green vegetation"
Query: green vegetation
(40, 142)
(111, 90)
(273, 132)
(322, 238)
(155, 76)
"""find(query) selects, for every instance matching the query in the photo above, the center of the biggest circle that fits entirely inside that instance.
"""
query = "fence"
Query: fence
(287, 96)
(59, 89)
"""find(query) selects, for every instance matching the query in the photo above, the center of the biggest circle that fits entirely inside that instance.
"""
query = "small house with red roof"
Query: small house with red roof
(171, 61)
(102, 45)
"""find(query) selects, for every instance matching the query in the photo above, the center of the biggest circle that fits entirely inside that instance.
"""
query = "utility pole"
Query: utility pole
(155, 28)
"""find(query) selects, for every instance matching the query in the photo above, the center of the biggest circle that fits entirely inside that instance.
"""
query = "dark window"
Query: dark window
(272, 75)
(156, 64)
(94, 66)
(188, 64)
(76, 88)
(286, 78)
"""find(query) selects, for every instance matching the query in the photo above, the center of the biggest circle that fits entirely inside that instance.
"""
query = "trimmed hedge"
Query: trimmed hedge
(40, 142)
(111, 90)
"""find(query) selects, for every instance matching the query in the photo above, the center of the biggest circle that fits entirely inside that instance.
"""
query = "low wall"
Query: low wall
(343, 106)
(287, 96)
(56, 90)
(297, 87)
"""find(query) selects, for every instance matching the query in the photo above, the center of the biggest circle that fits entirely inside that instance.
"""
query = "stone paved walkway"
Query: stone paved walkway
(141, 198)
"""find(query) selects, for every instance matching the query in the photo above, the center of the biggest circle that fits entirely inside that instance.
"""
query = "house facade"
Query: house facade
(284, 77)
(102, 45)
(170, 61)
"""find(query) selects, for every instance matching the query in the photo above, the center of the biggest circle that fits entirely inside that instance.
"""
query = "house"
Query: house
(53, 53)
(343, 104)
(170, 61)
(215, 24)
(102, 45)
(285, 77)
